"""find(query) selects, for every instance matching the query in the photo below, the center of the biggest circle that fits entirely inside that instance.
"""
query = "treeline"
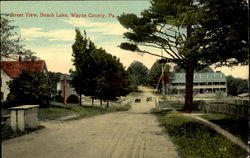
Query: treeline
(141, 75)
(97, 74)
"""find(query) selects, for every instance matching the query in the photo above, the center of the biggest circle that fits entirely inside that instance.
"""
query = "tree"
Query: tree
(155, 73)
(112, 80)
(138, 72)
(30, 56)
(84, 63)
(29, 88)
(236, 86)
(11, 46)
(177, 68)
(97, 73)
(192, 33)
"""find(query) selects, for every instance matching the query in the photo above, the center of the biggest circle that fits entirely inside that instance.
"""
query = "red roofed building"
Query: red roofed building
(12, 69)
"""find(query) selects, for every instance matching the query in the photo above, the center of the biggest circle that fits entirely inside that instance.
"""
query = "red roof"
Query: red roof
(14, 68)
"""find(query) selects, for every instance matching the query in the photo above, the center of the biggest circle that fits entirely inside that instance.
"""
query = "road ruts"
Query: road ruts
(131, 134)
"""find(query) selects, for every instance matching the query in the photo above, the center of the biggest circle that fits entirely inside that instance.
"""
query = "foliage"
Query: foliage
(97, 73)
(73, 99)
(111, 78)
(155, 73)
(84, 65)
(29, 88)
(230, 123)
(197, 140)
(59, 98)
(236, 86)
(192, 33)
(138, 72)
(177, 68)
(11, 46)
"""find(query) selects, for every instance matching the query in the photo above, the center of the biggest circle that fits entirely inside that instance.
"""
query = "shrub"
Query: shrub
(73, 99)
(29, 88)
(59, 98)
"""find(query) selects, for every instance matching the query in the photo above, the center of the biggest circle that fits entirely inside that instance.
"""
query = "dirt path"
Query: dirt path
(131, 134)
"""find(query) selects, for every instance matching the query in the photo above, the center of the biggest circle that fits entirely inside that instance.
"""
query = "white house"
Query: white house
(205, 84)
(68, 87)
(12, 69)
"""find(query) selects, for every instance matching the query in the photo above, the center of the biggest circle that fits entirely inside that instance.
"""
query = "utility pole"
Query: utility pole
(64, 89)
(162, 74)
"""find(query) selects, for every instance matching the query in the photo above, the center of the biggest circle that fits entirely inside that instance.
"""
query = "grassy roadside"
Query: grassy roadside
(195, 140)
(231, 124)
(58, 110)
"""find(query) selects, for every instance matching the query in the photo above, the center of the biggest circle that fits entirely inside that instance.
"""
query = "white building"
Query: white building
(205, 84)
(68, 88)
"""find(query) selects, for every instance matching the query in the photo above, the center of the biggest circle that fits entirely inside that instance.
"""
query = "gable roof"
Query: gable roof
(200, 77)
(14, 68)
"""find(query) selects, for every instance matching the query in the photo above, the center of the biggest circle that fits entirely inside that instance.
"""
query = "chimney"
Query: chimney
(20, 58)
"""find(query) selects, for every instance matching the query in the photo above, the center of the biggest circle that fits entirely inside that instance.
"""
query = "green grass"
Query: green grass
(58, 110)
(238, 126)
(195, 140)
(51, 113)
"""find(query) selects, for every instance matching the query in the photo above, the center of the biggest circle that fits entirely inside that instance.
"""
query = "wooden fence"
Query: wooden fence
(239, 107)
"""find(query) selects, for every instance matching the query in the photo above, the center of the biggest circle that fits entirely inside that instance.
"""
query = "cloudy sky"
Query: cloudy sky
(52, 36)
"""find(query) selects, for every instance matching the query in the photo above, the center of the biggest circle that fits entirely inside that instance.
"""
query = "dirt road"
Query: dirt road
(131, 134)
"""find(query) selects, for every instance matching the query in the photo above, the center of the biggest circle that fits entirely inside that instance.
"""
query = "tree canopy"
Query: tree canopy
(177, 68)
(97, 73)
(192, 33)
(138, 72)
(11, 46)
(29, 88)
(84, 65)
(155, 73)
(236, 86)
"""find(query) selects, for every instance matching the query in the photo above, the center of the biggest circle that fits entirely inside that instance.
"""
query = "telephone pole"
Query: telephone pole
(162, 75)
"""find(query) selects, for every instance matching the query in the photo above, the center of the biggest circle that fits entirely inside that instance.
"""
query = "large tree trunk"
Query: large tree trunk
(92, 101)
(189, 88)
(100, 102)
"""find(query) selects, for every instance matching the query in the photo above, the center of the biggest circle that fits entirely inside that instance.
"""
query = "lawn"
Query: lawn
(59, 110)
(196, 140)
(238, 126)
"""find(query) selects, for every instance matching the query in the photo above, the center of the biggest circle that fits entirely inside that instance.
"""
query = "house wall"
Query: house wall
(5, 78)
(204, 91)
(69, 88)
(204, 84)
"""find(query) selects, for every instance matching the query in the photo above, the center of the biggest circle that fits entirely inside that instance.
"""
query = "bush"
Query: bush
(73, 99)
(29, 88)
(59, 98)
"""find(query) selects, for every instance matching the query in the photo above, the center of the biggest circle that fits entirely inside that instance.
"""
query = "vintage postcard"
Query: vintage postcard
(148, 66)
